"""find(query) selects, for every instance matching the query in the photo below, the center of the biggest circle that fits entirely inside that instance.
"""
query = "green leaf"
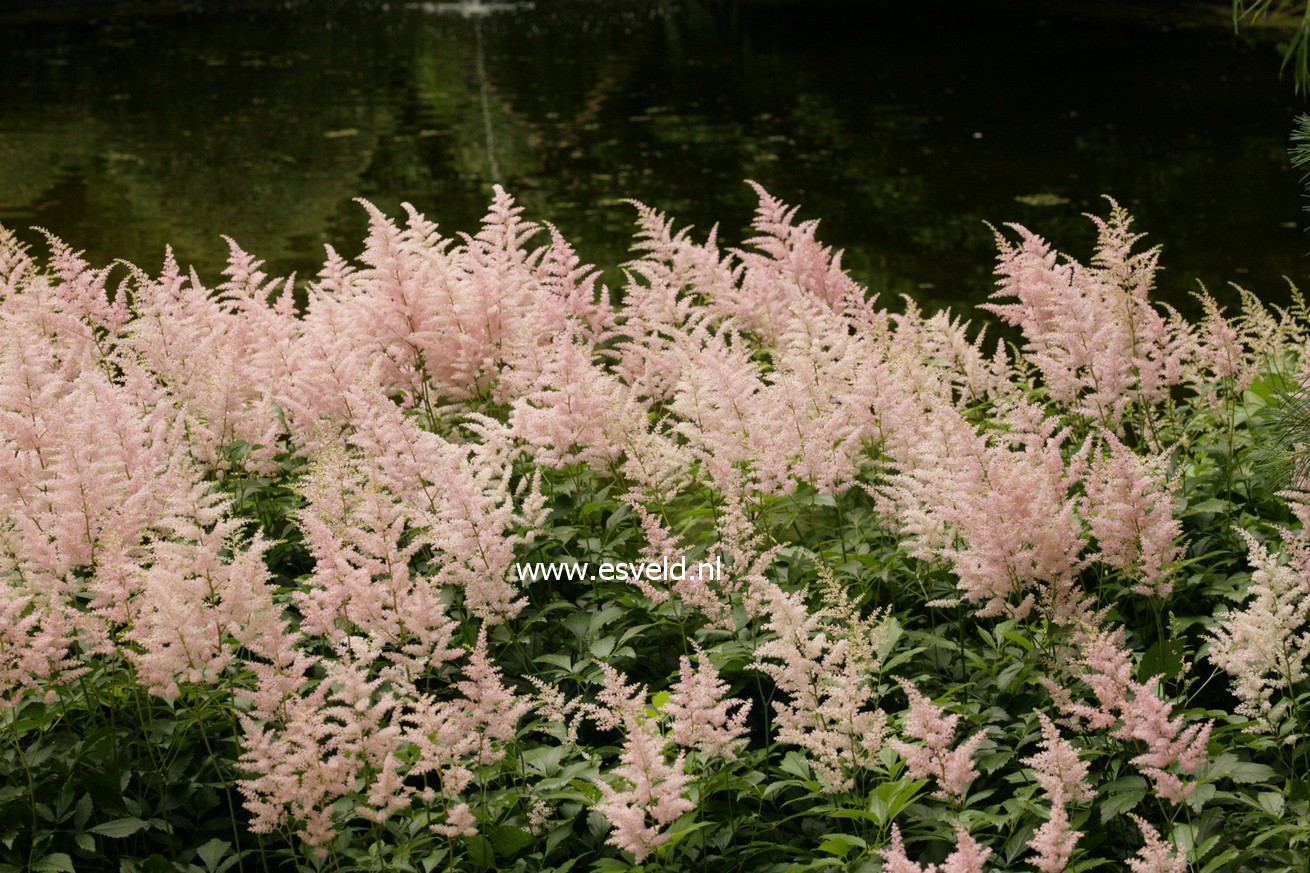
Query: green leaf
(1165, 658)
(677, 833)
(1211, 505)
(841, 845)
(119, 827)
(480, 851)
(1272, 802)
(507, 840)
(888, 799)
(544, 760)
(1201, 795)
(1121, 795)
(1220, 860)
(83, 812)
(212, 852)
(1229, 766)
(794, 764)
(56, 863)
(1249, 771)
(1183, 836)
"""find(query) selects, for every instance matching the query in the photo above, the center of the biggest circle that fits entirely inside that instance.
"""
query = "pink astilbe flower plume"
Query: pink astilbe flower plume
(1158, 855)
(1221, 349)
(789, 258)
(459, 498)
(35, 643)
(644, 794)
(1057, 767)
(952, 768)
(1001, 511)
(1091, 331)
(1264, 647)
(968, 856)
(491, 709)
(1127, 508)
(1064, 780)
(620, 700)
(702, 712)
(822, 662)
(316, 746)
(327, 740)
(1054, 842)
(1135, 711)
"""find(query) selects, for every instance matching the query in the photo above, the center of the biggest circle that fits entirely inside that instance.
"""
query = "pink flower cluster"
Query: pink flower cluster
(1064, 780)
(968, 856)
(704, 717)
(429, 386)
(1127, 508)
(1091, 331)
(1134, 711)
(952, 768)
(1265, 645)
(824, 669)
(653, 796)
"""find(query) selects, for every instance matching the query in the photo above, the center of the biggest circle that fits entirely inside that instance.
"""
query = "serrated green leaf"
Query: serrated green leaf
(119, 827)
(794, 764)
(212, 852)
(1165, 658)
(1121, 796)
(840, 845)
(56, 863)
(480, 850)
(507, 840)
(1272, 802)
(82, 814)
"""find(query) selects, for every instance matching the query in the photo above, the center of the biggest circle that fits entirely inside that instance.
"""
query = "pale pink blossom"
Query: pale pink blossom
(1057, 767)
(644, 794)
(968, 856)
(934, 758)
(1127, 508)
(703, 715)
(822, 668)
(1135, 711)
(1091, 331)
(1054, 841)
(1265, 646)
(1158, 855)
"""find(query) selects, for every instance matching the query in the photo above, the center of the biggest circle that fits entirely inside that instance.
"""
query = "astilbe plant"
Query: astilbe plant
(1091, 330)
(704, 717)
(274, 549)
(953, 769)
(1128, 510)
(653, 796)
(1265, 646)
(1064, 780)
(968, 857)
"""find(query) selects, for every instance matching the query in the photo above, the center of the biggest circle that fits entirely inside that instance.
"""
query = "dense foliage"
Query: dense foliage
(324, 586)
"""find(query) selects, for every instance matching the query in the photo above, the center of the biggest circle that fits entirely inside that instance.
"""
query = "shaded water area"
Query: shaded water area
(124, 128)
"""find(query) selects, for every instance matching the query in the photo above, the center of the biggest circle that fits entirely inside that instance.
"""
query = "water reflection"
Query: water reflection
(129, 132)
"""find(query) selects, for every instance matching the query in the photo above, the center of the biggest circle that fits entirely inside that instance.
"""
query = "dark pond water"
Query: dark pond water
(903, 129)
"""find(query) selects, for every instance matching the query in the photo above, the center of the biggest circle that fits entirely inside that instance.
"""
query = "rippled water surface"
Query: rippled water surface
(123, 129)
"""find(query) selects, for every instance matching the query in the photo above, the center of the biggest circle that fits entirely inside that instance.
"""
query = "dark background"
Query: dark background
(904, 127)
